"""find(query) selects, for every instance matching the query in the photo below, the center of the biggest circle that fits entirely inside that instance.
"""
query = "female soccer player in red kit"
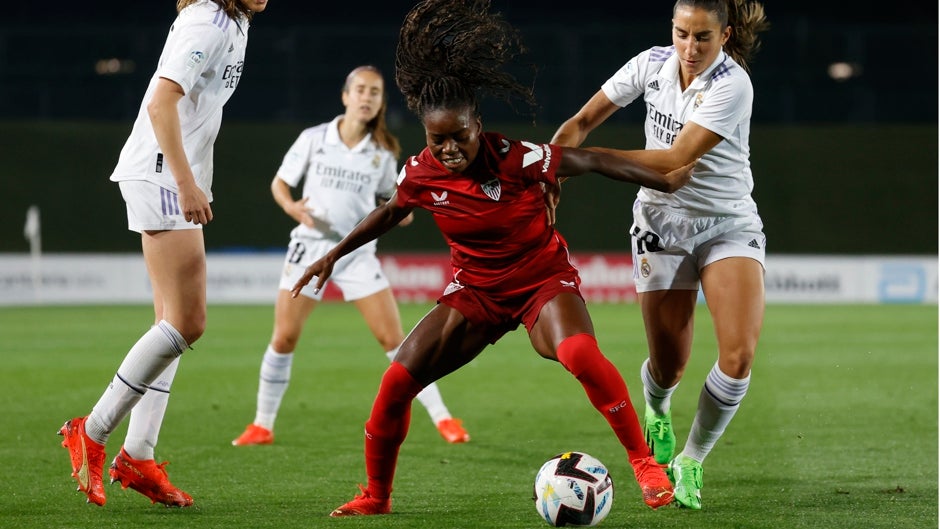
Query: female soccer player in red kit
(510, 264)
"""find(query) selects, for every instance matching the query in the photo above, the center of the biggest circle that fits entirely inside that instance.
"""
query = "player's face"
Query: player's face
(453, 137)
(363, 96)
(698, 37)
(255, 6)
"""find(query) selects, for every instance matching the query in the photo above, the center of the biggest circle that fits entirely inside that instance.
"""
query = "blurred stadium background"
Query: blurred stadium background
(844, 144)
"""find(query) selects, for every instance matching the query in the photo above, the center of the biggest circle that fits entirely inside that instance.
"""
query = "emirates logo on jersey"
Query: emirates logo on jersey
(492, 189)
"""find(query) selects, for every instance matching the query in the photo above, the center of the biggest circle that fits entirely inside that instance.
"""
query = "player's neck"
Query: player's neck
(352, 132)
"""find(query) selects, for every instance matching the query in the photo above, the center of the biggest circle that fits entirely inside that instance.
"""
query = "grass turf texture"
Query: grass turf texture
(839, 428)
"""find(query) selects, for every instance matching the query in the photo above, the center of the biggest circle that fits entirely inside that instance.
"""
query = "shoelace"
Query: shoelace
(659, 429)
(644, 467)
(364, 492)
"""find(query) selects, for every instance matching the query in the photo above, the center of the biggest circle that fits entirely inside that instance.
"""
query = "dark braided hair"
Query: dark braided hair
(452, 51)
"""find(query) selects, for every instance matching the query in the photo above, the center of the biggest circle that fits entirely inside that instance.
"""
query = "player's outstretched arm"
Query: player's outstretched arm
(577, 161)
(379, 221)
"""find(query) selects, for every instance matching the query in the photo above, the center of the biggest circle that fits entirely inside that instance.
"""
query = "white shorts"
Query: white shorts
(151, 207)
(670, 250)
(358, 274)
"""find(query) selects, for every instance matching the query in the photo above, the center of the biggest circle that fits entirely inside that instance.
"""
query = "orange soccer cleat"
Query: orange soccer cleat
(452, 431)
(654, 483)
(363, 505)
(149, 479)
(87, 459)
(254, 435)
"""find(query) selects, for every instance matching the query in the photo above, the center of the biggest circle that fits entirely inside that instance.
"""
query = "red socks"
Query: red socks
(387, 427)
(606, 390)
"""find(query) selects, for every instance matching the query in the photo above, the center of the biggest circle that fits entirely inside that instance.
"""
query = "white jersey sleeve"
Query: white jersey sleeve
(389, 180)
(628, 83)
(728, 105)
(297, 160)
(197, 45)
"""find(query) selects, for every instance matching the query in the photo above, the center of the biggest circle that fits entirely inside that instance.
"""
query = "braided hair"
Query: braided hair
(450, 52)
(746, 18)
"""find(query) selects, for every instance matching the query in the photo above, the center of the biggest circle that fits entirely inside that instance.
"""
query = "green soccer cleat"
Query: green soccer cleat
(659, 435)
(687, 475)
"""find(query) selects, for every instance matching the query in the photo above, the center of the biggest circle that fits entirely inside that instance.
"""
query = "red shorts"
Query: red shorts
(496, 315)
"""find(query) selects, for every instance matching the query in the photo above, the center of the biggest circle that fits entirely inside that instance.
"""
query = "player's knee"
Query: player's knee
(579, 353)
(284, 343)
(736, 362)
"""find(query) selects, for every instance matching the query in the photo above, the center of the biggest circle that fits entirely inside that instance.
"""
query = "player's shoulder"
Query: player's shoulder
(501, 147)
(658, 54)
(647, 63)
(205, 14)
(730, 74)
(314, 133)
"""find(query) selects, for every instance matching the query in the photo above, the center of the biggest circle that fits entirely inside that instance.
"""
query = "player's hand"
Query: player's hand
(194, 204)
(321, 269)
(299, 211)
(551, 194)
(680, 177)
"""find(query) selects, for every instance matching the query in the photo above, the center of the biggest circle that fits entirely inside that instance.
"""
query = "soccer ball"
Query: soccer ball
(573, 488)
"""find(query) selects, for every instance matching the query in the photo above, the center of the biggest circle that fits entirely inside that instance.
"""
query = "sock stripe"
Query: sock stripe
(136, 389)
(724, 389)
(718, 398)
(179, 344)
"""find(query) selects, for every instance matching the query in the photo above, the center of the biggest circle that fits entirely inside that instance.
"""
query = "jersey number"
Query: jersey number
(646, 241)
(296, 252)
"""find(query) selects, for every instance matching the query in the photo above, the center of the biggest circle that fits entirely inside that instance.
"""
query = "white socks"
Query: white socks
(717, 404)
(143, 430)
(429, 397)
(272, 384)
(145, 361)
(275, 377)
(657, 399)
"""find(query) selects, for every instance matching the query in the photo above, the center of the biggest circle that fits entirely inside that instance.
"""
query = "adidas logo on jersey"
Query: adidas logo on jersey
(754, 244)
(653, 85)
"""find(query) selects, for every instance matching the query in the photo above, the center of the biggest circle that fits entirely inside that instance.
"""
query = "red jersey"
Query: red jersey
(492, 214)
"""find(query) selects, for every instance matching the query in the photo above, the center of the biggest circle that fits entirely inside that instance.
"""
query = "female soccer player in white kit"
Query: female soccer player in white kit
(347, 165)
(165, 175)
(698, 98)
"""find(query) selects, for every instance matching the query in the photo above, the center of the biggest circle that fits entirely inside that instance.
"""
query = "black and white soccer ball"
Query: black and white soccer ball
(573, 488)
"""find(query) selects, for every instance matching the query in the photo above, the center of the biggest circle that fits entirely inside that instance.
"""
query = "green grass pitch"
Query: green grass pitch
(839, 428)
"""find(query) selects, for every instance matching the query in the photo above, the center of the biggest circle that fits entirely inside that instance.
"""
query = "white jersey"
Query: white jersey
(720, 100)
(341, 184)
(204, 53)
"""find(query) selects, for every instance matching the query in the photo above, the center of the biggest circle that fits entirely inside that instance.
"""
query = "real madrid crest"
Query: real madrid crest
(698, 101)
(492, 189)
(645, 268)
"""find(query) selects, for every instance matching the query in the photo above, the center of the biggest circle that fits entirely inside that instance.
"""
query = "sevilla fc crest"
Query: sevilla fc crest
(492, 189)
